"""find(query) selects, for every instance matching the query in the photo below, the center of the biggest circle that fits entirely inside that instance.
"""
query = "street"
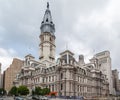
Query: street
(6, 98)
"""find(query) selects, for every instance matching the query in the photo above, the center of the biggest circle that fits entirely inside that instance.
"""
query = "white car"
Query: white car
(43, 98)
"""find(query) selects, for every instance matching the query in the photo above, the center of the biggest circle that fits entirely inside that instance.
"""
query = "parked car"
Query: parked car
(80, 97)
(1, 98)
(29, 98)
(43, 98)
(76, 97)
(35, 97)
(19, 98)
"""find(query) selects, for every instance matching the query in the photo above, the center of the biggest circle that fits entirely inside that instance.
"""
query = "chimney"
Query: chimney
(81, 60)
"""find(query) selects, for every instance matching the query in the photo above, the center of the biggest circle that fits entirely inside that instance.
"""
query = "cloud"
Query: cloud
(86, 26)
(6, 57)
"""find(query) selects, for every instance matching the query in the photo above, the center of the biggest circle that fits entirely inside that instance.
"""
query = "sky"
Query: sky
(82, 26)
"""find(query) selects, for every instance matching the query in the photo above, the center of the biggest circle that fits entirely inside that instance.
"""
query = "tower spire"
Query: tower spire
(47, 24)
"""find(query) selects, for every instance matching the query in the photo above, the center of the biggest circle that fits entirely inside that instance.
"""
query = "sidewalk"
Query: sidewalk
(62, 99)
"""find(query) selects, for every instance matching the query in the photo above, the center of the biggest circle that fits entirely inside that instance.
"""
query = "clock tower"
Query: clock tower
(47, 38)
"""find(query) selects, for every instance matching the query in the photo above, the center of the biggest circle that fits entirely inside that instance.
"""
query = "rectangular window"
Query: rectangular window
(53, 78)
(61, 75)
(78, 88)
(52, 87)
(46, 79)
(49, 78)
(61, 86)
(43, 80)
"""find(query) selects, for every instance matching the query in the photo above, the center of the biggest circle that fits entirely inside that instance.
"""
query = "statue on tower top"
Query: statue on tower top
(48, 5)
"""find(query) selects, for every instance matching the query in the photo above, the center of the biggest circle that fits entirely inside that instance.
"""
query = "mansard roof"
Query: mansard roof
(47, 24)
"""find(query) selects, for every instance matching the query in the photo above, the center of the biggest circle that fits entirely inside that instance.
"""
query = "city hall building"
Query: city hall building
(66, 76)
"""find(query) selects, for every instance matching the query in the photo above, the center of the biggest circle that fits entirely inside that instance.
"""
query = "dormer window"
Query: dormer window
(47, 20)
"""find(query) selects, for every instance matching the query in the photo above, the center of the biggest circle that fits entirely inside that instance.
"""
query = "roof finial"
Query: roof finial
(66, 45)
(48, 5)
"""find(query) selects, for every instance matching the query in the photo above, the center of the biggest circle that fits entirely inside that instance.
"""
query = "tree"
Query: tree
(38, 91)
(46, 91)
(33, 92)
(2, 91)
(14, 91)
(23, 90)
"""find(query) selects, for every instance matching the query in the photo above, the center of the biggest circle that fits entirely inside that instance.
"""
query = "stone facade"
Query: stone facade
(11, 72)
(116, 84)
(66, 76)
(102, 62)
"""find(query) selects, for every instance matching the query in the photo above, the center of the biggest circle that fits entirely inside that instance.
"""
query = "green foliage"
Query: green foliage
(14, 91)
(39, 91)
(23, 90)
(33, 92)
(2, 91)
(46, 91)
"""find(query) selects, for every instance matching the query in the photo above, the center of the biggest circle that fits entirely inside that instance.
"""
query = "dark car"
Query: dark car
(80, 98)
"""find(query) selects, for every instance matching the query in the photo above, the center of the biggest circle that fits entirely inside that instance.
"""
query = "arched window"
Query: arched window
(47, 20)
